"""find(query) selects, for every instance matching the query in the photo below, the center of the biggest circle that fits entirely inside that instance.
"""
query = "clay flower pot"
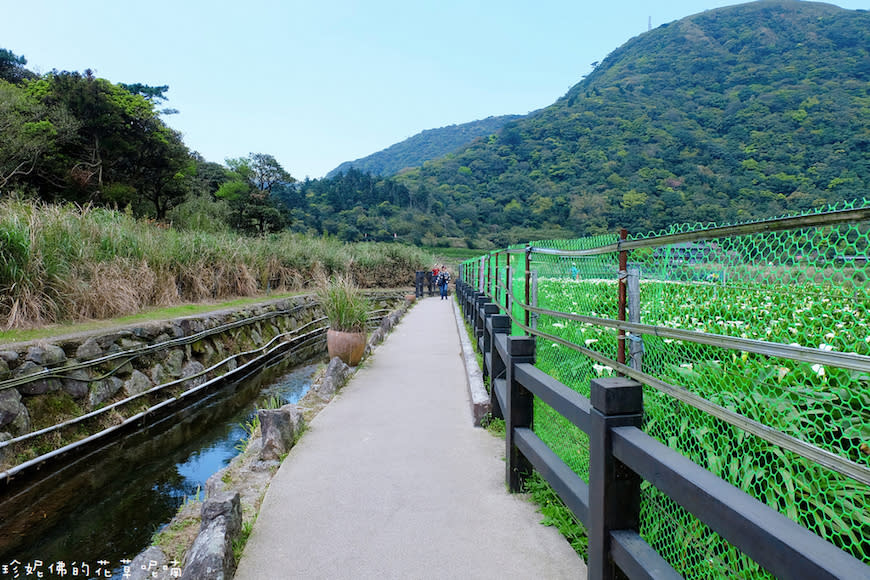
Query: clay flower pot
(348, 346)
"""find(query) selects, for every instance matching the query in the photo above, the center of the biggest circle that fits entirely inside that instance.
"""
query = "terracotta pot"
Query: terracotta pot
(348, 346)
(409, 298)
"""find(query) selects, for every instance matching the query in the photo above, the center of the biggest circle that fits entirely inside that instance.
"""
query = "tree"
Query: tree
(121, 152)
(151, 93)
(12, 67)
(28, 130)
(266, 172)
(249, 193)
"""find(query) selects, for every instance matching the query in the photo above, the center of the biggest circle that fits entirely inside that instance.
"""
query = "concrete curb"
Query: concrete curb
(480, 403)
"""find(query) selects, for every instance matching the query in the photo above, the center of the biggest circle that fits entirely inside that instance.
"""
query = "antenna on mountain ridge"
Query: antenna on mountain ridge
(649, 24)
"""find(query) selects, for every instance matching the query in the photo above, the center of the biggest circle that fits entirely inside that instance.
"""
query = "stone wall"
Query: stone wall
(95, 368)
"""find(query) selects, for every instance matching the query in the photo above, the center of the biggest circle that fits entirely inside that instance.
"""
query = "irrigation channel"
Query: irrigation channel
(106, 504)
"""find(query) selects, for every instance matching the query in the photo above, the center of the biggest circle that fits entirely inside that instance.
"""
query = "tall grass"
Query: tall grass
(342, 303)
(65, 263)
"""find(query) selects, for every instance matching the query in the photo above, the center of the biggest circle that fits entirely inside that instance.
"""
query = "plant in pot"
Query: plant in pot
(348, 311)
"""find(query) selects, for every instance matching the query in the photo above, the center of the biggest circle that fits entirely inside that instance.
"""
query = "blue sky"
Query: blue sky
(319, 82)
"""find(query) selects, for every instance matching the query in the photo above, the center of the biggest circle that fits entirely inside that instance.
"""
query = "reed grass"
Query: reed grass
(64, 263)
(342, 303)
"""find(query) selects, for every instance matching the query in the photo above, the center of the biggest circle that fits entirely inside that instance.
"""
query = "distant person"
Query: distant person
(443, 281)
(435, 271)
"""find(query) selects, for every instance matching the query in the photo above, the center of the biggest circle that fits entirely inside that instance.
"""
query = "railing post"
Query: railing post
(528, 284)
(519, 412)
(494, 366)
(623, 282)
(418, 283)
(635, 347)
(495, 278)
(472, 300)
(614, 489)
(478, 316)
(508, 285)
(488, 310)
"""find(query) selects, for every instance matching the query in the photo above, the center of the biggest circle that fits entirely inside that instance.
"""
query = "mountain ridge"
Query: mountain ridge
(424, 146)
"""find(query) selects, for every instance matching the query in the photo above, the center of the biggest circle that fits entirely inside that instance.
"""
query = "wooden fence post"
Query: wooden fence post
(520, 410)
(499, 324)
(614, 489)
(487, 311)
(478, 317)
(621, 289)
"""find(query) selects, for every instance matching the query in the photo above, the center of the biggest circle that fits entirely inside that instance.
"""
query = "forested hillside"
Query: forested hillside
(429, 144)
(741, 112)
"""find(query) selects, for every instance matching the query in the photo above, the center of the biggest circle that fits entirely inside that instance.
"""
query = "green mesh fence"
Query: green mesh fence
(803, 286)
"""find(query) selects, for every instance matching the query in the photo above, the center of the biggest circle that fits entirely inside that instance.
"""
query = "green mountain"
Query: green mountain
(429, 144)
(748, 111)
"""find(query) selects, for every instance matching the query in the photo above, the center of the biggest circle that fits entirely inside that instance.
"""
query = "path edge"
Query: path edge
(479, 398)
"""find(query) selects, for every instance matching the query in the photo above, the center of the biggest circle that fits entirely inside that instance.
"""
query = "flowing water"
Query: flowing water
(106, 506)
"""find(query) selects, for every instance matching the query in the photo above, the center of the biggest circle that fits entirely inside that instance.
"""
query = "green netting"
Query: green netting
(805, 286)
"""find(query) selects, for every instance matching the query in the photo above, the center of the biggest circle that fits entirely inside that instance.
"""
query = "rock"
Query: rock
(102, 391)
(21, 424)
(77, 384)
(107, 341)
(335, 376)
(137, 383)
(3, 450)
(4, 370)
(13, 413)
(151, 564)
(377, 337)
(89, 350)
(386, 324)
(204, 348)
(48, 355)
(192, 326)
(148, 332)
(10, 406)
(130, 344)
(38, 386)
(158, 375)
(175, 331)
(211, 555)
(279, 428)
(173, 363)
(9, 356)
(190, 369)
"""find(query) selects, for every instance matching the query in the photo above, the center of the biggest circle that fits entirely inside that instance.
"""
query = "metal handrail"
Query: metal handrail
(802, 448)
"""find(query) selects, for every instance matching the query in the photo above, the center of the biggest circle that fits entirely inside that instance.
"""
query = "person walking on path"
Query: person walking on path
(443, 281)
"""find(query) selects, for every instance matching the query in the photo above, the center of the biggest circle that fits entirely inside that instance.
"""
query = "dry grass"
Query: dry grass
(71, 263)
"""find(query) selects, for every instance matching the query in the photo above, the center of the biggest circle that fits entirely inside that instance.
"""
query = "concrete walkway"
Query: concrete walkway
(391, 480)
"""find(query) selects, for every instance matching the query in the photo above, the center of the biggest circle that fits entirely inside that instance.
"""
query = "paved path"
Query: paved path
(391, 480)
